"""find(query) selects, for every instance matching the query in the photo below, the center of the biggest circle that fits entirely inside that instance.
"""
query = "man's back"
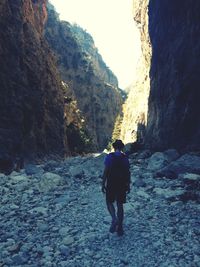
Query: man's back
(118, 169)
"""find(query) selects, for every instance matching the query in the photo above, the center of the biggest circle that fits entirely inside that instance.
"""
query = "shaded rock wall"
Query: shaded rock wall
(31, 103)
(92, 84)
(173, 116)
(168, 74)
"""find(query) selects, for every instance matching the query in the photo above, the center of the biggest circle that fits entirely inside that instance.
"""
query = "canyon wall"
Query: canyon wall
(163, 108)
(173, 113)
(31, 102)
(136, 106)
(92, 83)
(52, 103)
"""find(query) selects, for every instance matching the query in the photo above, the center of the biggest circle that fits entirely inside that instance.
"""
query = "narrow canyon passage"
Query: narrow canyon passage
(58, 218)
(62, 100)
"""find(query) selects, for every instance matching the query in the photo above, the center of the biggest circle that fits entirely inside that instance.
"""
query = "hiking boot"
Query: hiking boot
(113, 227)
(120, 230)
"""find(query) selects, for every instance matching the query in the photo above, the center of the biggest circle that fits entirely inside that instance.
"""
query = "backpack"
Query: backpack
(118, 171)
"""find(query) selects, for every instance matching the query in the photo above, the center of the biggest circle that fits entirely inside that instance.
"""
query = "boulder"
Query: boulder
(189, 176)
(95, 166)
(49, 181)
(172, 154)
(76, 171)
(169, 193)
(32, 169)
(191, 181)
(157, 161)
(18, 178)
(144, 154)
(161, 159)
(186, 163)
(51, 165)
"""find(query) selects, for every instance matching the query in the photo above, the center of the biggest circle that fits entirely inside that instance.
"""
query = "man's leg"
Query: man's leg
(120, 215)
(111, 210)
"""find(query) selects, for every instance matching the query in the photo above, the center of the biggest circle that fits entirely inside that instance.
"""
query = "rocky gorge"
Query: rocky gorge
(68, 100)
(54, 214)
(58, 99)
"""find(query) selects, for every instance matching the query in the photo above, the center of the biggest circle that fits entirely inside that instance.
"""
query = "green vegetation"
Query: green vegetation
(116, 132)
(79, 140)
(117, 127)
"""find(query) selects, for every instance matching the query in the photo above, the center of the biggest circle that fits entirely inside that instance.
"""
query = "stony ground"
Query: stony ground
(54, 215)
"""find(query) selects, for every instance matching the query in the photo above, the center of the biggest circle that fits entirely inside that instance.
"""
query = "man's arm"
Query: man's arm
(105, 175)
(128, 176)
(128, 181)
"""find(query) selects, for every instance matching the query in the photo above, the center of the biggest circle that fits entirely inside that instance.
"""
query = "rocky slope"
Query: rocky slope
(93, 85)
(58, 218)
(31, 103)
(173, 117)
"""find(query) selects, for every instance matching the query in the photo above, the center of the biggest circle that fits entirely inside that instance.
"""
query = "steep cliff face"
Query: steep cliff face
(168, 75)
(93, 85)
(86, 42)
(173, 117)
(136, 106)
(31, 102)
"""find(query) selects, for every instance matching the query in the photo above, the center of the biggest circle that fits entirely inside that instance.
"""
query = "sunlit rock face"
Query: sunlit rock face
(31, 102)
(93, 85)
(173, 117)
(135, 108)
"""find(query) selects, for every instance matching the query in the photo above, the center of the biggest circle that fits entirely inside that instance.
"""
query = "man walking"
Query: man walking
(116, 183)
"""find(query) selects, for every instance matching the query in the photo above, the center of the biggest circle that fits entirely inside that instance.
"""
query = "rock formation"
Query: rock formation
(39, 113)
(136, 106)
(92, 84)
(168, 74)
(31, 103)
(173, 116)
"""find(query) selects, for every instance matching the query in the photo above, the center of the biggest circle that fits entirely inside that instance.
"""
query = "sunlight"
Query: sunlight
(111, 25)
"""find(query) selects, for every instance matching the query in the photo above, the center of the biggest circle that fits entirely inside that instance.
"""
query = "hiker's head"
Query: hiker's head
(118, 144)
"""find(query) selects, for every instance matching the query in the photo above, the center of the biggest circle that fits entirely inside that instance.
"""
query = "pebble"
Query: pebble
(64, 231)
(57, 225)
(19, 259)
(64, 250)
(68, 240)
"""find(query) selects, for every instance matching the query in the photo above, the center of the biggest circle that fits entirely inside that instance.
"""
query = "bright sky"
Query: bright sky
(110, 22)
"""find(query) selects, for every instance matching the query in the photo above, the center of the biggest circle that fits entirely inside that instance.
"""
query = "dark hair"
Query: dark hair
(118, 144)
